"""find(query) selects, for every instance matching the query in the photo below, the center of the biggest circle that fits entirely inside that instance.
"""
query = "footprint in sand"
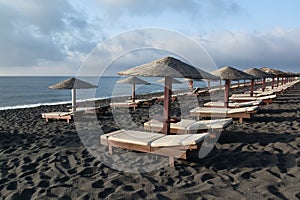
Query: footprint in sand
(206, 177)
(106, 192)
(98, 184)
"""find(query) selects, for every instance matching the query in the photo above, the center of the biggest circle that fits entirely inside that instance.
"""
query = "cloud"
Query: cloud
(33, 31)
(155, 8)
(274, 48)
(148, 7)
(277, 48)
(139, 46)
(38, 34)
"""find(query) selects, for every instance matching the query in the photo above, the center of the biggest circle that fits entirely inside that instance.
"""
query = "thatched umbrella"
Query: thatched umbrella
(259, 74)
(169, 68)
(133, 80)
(276, 73)
(72, 84)
(229, 73)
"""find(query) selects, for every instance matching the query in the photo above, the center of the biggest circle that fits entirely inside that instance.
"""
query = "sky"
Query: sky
(57, 37)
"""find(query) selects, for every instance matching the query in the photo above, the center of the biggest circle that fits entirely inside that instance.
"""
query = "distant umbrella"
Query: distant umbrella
(229, 73)
(275, 72)
(169, 68)
(133, 80)
(72, 84)
(259, 74)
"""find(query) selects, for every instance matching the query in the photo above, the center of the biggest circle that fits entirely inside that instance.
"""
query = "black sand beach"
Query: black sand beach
(258, 159)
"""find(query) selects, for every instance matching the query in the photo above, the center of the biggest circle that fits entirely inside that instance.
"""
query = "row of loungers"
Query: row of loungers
(267, 96)
(138, 102)
(211, 109)
(241, 101)
(187, 135)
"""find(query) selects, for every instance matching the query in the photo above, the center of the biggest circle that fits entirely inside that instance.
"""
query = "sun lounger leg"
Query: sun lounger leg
(110, 149)
(241, 120)
(171, 161)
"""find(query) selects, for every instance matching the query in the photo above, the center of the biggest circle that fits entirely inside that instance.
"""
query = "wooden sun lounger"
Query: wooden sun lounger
(237, 113)
(130, 104)
(219, 104)
(133, 105)
(173, 146)
(188, 126)
(58, 115)
(98, 109)
(243, 98)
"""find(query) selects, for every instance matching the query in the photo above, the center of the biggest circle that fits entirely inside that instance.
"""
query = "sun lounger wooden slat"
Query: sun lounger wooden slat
(187, 126)
(236, 113)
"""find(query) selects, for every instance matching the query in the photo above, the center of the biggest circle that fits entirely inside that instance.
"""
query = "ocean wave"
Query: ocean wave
(33, 105)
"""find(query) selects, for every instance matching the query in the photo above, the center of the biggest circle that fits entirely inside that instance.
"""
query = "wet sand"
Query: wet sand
(258, 159)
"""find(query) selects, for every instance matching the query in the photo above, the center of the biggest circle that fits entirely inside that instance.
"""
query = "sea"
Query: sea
(32, 91)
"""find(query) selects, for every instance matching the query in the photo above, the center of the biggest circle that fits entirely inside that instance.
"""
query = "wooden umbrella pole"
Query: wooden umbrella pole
(264, 84)
(73, 99)
(133, 93)
(252, 87)
(226, 93)
(273, 83)
(167, 98)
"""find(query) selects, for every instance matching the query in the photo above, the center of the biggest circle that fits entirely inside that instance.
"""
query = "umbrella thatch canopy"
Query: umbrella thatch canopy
(275, 72)
(229, 73)
(169, 68)
(174, 81)
(72, 84)
(290, 74)
(259, 74)
(133, 80)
